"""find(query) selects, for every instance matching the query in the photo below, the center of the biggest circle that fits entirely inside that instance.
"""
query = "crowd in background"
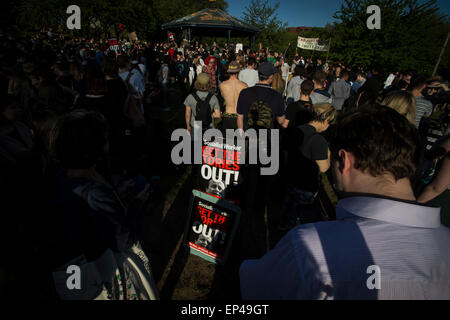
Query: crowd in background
(74, 114)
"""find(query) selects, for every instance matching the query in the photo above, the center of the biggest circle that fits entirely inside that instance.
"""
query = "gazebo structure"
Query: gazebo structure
(213, 22)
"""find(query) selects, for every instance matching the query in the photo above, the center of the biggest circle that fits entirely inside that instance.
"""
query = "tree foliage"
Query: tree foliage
(263, 16)
(410, 38)
(102, 17)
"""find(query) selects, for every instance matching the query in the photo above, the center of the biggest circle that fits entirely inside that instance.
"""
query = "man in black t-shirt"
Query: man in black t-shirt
(261, 91)
(299, 112)
(256, 186)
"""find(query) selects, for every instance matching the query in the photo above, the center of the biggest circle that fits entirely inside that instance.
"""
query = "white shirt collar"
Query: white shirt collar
(389, 210)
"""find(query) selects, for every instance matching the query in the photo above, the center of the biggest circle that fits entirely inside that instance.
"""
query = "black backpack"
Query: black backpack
(203, 110)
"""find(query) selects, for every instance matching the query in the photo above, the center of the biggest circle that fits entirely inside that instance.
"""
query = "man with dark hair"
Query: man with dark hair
(371, 89)
(359, 82)
(383, 244)
(82, 139)
(249, 75)
(298, 113)
(319, 94)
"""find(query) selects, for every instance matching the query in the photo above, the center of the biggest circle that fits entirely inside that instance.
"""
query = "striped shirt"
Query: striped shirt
(423, 108)
(334, 260)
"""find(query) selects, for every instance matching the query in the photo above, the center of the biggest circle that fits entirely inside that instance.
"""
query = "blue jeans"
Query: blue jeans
(165, 88)
(299, 206)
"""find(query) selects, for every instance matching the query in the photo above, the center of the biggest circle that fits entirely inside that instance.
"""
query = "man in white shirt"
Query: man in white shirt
(284, 69)
(249, 75)
(383, 244)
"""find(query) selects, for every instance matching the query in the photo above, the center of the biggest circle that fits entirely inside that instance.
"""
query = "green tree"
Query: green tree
(263, 16)
(410, 37)
(98, 18)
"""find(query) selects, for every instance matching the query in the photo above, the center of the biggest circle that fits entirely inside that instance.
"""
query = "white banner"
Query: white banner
(311, 44)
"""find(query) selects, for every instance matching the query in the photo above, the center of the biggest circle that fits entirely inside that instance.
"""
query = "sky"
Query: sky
(308, 13)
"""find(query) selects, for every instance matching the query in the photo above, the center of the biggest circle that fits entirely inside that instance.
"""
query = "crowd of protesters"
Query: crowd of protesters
(74, 133)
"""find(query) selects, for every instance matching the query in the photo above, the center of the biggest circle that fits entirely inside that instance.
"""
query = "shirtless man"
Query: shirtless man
(230, 91)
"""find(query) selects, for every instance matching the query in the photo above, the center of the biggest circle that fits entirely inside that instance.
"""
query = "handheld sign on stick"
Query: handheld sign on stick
(211, 227)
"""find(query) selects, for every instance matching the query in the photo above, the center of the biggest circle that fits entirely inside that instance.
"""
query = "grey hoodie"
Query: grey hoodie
(320, 96)
(340, 91)
(293, 89)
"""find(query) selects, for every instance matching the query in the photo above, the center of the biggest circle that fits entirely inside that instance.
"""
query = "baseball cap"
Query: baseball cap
(234, 67)
(267, 69)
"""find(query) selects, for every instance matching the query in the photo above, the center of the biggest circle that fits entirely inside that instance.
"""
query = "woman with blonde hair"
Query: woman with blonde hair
(403, 102)
(198, 66)
(278, 83)
(324, 114)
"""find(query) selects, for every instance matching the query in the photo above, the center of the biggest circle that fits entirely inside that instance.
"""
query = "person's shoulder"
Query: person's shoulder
(292, 106)
(304, 127)
(189, 98)
(242, 84)
(100, 197)
(278, 95)
(223, 84)
(427, 102)
(423, 101)
(268, 90)
(247, 91)
(319, 139)
(305, 235)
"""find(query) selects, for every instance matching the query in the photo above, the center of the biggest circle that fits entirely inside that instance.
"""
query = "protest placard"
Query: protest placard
(219, 174)
(211, 227)
(311, 44)
(113, 45)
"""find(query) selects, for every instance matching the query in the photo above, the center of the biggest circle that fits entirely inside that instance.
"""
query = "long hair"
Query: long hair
(277, 82)
(403, 102)
(324, 111)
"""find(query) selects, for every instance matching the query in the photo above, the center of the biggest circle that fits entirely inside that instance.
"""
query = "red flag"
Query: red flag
(121, 27)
